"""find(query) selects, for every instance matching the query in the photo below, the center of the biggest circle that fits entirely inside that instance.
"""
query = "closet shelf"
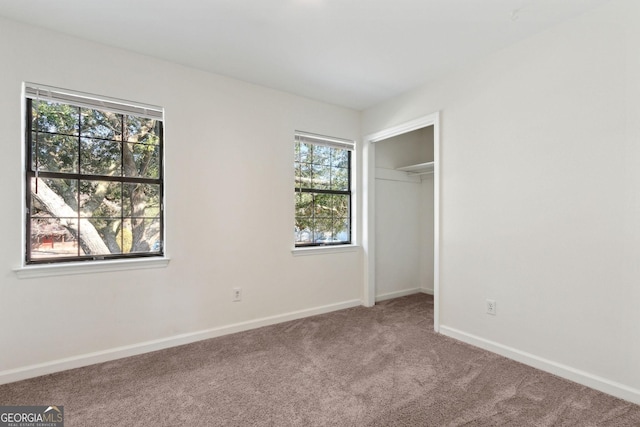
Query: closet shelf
(419, 169)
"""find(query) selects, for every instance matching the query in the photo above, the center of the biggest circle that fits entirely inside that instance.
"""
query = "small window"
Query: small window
(322, 190)
(94, 177)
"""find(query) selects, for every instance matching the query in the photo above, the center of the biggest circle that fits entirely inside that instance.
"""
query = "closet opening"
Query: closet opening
(401, 212)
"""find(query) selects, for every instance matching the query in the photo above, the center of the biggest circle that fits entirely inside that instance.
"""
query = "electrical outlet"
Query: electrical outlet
(491, 307)
(237, 294)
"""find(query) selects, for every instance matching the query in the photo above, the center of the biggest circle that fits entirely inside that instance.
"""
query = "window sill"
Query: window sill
(89, 267)
(321, 250)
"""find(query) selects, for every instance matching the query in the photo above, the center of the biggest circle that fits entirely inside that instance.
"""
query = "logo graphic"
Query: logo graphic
(31, 416)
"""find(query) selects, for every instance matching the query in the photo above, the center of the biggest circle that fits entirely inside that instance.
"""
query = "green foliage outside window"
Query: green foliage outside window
(322, 199)
(95, 183)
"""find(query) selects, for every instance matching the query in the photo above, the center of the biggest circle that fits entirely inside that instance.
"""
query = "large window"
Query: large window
(322, 190)
(94, 178)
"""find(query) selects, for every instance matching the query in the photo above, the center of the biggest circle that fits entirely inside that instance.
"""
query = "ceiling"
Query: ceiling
(353, 53)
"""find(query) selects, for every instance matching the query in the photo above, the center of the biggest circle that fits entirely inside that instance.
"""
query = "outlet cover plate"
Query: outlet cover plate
(491, 307)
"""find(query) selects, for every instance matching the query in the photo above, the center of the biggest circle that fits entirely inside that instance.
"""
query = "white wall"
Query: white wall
(540, 197)
(229, 212)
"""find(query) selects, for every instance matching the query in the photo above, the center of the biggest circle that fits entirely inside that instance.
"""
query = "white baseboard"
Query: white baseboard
(397, 294)
(18, 374)
(403, 293)
(581, 377)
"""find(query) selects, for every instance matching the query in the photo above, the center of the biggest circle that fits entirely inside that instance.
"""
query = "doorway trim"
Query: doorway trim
(368, 202)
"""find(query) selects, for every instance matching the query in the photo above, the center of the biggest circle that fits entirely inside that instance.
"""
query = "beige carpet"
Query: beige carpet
(382, 366)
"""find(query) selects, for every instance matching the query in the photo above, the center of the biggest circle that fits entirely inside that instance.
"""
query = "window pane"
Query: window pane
(341, 205)
(321, 177)
(100, 199)
(339, 158)
(321, 155)
(297, 171)
(97, 124)
(301, 151)
(302, 233)
(109, 231)
(141, 200)
(304, 152)
(323, 206)
(100, 157)
(304, 172)
(50, 238)
(341, 229)
(322, 230)
(304, 204)
(54, 197)
(54, 153)
(145, 235)
(93, 239)
(329, 219)
(340, 179)
(157, 245)
(142, 160)
(123, 235)
(142, 130)
(54, 118)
